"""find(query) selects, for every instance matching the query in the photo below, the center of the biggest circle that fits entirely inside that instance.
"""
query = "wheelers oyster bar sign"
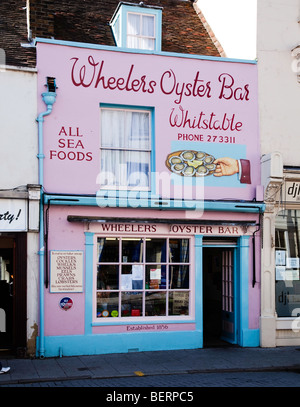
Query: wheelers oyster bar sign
(203, 124)
(137, 228)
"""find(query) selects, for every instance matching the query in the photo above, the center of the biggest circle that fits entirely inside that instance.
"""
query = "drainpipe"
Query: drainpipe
(49, 99)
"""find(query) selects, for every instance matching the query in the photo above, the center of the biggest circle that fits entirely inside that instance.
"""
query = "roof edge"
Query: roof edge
(209, 30)
(136, 51)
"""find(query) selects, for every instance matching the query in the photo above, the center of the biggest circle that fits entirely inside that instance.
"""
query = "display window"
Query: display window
(287, 263)
(143, 277)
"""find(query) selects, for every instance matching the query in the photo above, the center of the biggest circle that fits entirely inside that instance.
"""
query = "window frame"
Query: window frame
(149, 150)
(141, 37)
(119, 25)
(143, 318)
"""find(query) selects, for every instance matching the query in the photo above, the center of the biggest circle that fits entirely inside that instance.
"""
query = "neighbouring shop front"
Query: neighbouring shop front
(281, 300)
(18, 219)
(152, 201)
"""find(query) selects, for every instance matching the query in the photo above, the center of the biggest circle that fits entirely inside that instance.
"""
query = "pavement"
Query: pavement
(217, 359)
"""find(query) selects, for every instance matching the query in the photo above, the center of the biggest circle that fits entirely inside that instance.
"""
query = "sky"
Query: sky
(234, 25)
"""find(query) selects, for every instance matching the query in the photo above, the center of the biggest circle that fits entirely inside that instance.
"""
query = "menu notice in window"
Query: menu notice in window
(66, 271)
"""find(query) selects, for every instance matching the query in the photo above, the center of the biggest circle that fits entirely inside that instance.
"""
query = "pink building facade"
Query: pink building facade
(150, 167)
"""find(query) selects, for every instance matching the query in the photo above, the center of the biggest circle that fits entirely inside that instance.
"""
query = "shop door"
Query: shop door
(228, 314)
(219, 317)
(6, 292)
(13, 293)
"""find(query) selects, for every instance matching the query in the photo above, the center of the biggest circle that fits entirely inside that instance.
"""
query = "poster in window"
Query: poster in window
(286, 274)
(280, 257)
(292, 262)
(126, 281)
(66, 271)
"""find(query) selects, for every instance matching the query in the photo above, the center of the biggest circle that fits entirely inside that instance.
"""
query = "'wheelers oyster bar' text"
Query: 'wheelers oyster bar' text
(160, 234)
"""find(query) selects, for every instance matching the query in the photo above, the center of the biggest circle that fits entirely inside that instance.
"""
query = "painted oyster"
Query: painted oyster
(187, 155)
(175, 160)
(201, 171)
(178, 168)
(190, 163)
(188, 171)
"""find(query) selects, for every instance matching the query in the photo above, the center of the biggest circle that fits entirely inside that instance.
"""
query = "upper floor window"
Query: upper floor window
(137, 26)
(125, 148)
(141, 31)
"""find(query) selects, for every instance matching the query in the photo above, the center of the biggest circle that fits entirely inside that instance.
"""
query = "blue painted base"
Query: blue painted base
(249, 338)
(76, 345)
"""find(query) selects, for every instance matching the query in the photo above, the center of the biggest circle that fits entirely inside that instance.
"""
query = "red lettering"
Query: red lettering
(62, 131)
(71, 155)
(61, 143)
(169, 85)
(228, 91)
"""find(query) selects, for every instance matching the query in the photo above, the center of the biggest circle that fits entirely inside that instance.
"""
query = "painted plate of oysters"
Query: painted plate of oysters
(190, 163)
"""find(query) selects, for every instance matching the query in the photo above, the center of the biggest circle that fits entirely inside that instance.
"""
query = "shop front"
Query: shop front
(152, 201)
(280, 273)
(162, 282)
(18, 227)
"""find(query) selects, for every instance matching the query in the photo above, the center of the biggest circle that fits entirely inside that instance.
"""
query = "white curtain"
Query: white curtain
(125, 148)
(139, 29)
(147, 31)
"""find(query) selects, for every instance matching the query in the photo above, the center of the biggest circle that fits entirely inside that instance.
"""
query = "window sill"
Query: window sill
(284, 322)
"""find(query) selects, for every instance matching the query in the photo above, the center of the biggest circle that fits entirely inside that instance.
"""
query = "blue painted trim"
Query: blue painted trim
(143, 194)
(123, 12)
(89, 273)
(199, 287)
(246, 337)
(111, 199)
(251, 338)
(243, 286)
(49, 99)
(135, 51)
(236, 299)
(74, 345)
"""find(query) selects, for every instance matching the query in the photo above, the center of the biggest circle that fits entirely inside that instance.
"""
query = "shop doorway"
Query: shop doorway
(219, 299)
(6, 292)
(13, 278)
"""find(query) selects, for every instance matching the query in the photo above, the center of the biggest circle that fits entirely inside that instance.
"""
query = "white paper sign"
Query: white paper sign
(280, 257)
(126, 281)
(292, 262)
(280, 272)
(137, 272)
(155, 274)
(286, 274)
(66, 271)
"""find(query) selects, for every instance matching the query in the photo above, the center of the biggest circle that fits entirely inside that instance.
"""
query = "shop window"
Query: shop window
(287, 263)
(125, 148)
(144, 277)
(137, 27)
